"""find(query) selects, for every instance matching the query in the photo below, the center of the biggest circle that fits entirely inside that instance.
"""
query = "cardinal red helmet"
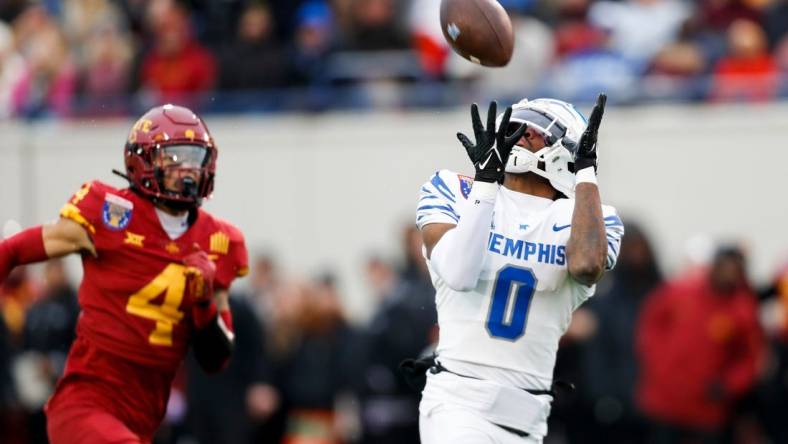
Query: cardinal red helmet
(177, 134)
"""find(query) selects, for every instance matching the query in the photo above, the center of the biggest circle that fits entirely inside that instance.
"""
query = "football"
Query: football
(478, 30)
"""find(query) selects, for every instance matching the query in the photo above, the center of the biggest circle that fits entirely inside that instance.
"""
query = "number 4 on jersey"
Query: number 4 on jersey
(521, 282)
(173, 280)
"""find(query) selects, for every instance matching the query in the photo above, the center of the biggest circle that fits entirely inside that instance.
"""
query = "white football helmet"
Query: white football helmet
(561, 125)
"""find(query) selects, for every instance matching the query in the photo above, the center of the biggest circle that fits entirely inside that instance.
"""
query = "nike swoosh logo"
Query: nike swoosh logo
(482, 165)
(562, 227)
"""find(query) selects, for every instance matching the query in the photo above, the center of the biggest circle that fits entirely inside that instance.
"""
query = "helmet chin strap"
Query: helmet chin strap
(189, 190)
(523, 160)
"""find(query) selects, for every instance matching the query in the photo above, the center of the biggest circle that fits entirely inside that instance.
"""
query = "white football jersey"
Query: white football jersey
(507, 328)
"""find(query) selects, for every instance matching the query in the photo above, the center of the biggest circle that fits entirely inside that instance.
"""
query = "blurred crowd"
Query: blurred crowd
(700, 357)
(110, 57)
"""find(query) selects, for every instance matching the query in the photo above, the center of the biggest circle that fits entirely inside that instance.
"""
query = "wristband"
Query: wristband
(483, 191)
(586, 175)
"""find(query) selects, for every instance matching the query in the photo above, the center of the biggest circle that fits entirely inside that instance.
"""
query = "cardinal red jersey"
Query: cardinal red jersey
(133, 298)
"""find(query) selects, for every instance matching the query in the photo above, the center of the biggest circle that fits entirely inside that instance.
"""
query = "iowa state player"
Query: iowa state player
(156, 274)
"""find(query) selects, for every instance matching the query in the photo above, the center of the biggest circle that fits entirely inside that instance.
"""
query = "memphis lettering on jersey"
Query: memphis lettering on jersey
(527, 251)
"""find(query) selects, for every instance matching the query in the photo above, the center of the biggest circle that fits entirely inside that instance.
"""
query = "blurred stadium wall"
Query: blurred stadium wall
(322, 191)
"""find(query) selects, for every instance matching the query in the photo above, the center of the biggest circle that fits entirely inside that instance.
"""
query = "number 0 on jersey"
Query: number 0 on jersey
(521, 283)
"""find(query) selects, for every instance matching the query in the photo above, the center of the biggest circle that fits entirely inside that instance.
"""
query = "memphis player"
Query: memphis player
(510, 264)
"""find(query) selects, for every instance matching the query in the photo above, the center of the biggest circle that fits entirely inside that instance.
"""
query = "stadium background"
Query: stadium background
(329, 116)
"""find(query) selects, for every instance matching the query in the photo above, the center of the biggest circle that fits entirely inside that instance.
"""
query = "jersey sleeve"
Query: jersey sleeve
(237, 264)
(614, 229)
(439, 198)
(85, 206)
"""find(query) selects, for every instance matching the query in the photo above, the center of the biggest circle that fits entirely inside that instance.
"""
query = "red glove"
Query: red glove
(200, 272)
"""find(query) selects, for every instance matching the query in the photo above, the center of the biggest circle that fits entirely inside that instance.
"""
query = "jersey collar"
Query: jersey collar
(526, 199)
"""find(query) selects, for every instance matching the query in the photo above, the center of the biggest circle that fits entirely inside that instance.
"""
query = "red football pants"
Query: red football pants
(104, 399)
(87, 425)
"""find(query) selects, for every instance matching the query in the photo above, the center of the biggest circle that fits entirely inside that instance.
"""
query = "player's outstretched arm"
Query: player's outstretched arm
(586, 250)
(456, 252)
(65, 237)
(43, 242)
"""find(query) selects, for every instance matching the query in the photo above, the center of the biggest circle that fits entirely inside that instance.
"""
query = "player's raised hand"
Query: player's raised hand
(200, 272)
(586, 155)
(492, 148)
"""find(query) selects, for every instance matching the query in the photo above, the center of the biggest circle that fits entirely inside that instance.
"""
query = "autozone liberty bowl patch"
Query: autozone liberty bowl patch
(116, 212)
(465, 185)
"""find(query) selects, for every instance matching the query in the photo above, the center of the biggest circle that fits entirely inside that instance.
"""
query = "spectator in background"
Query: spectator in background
(98, 34)
(312, 359)
(414, 268)
(49, 330)
(373, 25)
(679, 60)
(255, 60)
(216, 22)
(277, 339)
(700, 350)
(427, 36)
(285, 14)
(773, 392)
(678, 71)
(12, 67)
(10, 9)
(17, 293)
(48, 81)
(711, 21)
(177, 68)
(264, 278)
(640, 28)
(776, 22)
(51, 321)
(81, 18)
(107, 72)
(415, 277)
(314, 39)
(579, 77)
(587, 63)
(748, 72)
(389, 408)
(574, 33)
(609, 359)
(7, 396)
(719, 15)
(227, 407)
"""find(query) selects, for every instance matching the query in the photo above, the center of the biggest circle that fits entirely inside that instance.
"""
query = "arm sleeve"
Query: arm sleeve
(614, 229)
(458, 256)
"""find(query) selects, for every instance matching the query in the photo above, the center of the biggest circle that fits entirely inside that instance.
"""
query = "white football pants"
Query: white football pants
(447, 424)
(448, 419)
